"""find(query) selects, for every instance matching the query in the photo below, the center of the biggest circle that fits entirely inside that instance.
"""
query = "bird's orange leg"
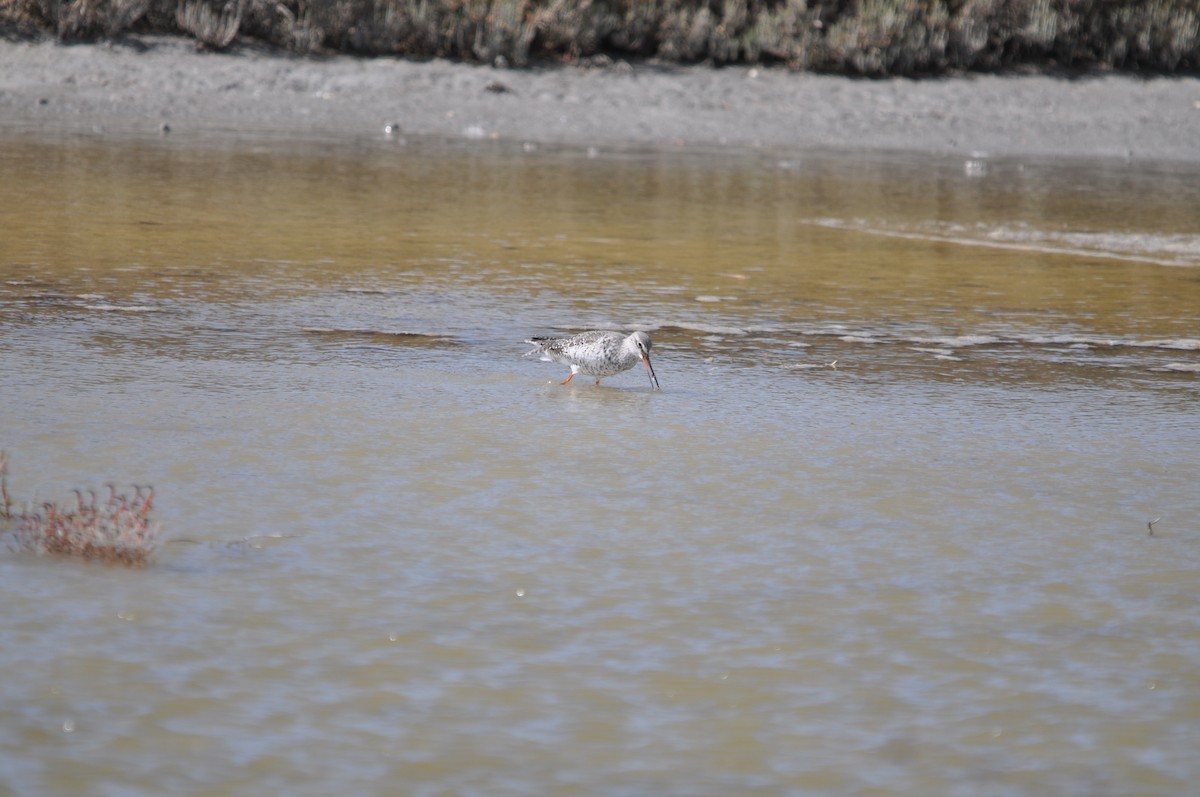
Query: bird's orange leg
(568, 379)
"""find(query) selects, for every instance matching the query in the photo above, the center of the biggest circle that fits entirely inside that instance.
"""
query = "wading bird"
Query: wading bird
(597, 353)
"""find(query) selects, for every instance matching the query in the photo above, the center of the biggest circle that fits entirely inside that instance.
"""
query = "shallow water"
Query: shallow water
(884, 530)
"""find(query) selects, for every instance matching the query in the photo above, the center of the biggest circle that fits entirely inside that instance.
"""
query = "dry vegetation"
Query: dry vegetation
(114, 531)
(866, 37)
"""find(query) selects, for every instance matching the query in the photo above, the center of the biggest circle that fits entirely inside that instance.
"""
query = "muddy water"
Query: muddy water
(883, 531)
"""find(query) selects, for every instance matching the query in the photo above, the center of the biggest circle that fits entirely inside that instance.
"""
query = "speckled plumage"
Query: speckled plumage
(597, 353)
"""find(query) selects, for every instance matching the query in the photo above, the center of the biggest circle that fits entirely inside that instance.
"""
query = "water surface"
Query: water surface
(883, 531)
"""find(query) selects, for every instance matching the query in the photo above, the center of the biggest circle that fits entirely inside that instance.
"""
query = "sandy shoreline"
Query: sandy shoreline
(141, 83)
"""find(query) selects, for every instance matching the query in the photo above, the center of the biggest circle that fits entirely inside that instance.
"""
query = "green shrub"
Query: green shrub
(864, 37)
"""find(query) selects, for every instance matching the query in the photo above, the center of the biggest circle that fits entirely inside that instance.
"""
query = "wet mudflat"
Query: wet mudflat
(884, 530)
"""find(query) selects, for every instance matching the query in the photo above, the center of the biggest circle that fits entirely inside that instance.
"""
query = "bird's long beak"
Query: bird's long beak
(650, 370)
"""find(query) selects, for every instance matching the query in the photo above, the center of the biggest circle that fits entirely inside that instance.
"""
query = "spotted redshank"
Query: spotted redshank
(597, 353)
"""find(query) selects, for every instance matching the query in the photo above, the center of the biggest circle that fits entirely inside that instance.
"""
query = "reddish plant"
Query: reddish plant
(116, 531)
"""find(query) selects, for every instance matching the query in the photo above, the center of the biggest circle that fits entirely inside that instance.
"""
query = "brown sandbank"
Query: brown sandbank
(141, 83)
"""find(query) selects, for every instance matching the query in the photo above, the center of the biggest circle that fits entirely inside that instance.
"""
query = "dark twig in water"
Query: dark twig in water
(5, 501)
(238, 543)
(1150, 527)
